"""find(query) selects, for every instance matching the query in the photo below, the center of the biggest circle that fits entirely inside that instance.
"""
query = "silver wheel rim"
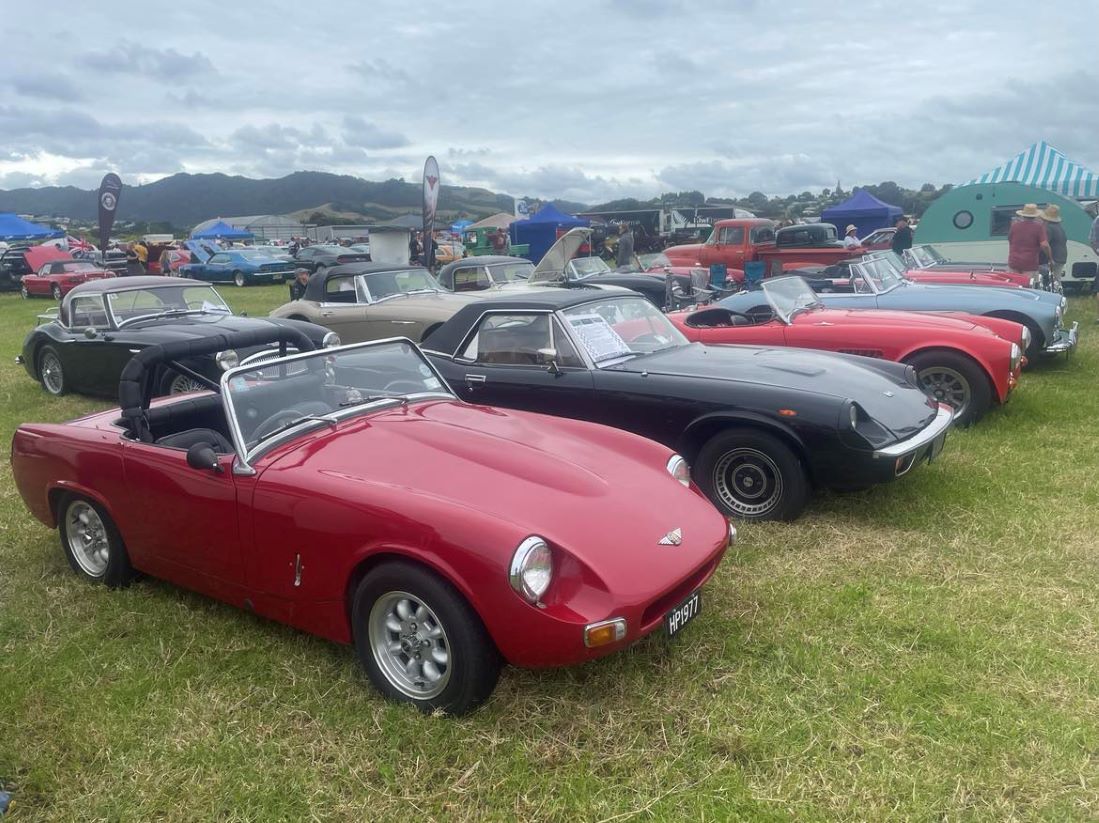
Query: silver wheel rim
(409, 645)
(87, 538)
(23, 291)
(239, 280)
(53, 378)
(56, 291)
(748, 482)
(947, 386)
(182, 384)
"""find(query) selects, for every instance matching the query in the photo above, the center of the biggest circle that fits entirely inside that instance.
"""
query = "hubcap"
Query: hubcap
(947, 386)
(87, 538)
(410, 645)
(748, 482)
(52, 376)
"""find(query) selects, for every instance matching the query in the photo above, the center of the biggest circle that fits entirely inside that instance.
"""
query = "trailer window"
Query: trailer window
(1002, 217)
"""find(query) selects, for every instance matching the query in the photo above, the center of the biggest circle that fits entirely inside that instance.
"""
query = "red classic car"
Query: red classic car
(349, 493)
(58, 277)
(968, 362)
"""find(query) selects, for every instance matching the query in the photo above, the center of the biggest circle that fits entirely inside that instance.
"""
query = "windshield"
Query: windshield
(876, 274)
(131, 305)
(581, 267)
(788, 296)
(67, 267)
(653, 261)
(269, 398)
(382, 284)
(510, 272)
(923, 256)
(616, 328)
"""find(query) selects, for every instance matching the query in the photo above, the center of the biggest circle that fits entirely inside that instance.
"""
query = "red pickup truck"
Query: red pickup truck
(739, 241)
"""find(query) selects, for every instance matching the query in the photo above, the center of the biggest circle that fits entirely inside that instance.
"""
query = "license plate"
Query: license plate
(684, 613)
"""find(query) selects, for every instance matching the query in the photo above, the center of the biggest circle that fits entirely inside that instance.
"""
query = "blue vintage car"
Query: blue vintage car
(876, 283)
(240, 266)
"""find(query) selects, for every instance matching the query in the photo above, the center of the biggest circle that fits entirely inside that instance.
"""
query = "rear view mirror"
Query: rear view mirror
(91, 333)
(203, 456)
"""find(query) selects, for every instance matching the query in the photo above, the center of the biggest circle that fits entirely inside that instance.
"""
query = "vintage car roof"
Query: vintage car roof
(314, 290)
(449, 336)
(140, 282)
(482, 260)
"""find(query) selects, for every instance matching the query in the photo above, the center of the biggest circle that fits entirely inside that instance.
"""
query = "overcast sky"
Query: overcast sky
(587, 101)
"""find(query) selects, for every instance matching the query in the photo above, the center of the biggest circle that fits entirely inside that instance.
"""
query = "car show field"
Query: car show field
(923, 649)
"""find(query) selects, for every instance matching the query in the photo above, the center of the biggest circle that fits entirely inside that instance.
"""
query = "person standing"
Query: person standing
(902, 237)
(850, 238)
(623, 255)
(1025, 239)
(297, 286)
(413, 248)
(1058, 245)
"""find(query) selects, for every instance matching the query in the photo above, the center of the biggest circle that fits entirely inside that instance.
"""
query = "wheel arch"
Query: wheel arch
(430, 330)
(978, 360)
(64, 488)
(1038, 336)
(703, 428)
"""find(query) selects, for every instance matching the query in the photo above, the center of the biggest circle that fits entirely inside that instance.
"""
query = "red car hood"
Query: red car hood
(894, 319)
(603, 495)
(965, 278)
(685, 255)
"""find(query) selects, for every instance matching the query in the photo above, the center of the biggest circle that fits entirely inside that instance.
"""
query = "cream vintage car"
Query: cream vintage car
(373, 301)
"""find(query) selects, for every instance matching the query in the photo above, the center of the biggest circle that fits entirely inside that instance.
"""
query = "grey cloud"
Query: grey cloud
(162, 64)
(46, 86)
(358, 132)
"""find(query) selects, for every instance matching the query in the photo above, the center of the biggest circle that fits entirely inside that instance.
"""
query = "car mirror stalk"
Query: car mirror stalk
(203, 456)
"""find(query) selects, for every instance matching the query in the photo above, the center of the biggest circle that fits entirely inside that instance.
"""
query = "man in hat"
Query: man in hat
(850, 237)
(902, 238)
(1058, 244)
(1025, 239)
(300, 281)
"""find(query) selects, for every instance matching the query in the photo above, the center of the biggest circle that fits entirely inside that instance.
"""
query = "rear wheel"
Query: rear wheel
(752, 475)
(956, 380)
(181, 384)
(51, 372)
(23, 290)
(92, 544)
(420, 642)
(55, 290)
(238, 279)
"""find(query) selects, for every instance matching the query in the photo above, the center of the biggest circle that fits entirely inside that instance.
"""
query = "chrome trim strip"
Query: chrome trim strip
(943, 418)
(1064, 340)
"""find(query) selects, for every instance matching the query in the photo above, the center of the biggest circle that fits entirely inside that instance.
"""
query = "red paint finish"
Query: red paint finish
(452, 486)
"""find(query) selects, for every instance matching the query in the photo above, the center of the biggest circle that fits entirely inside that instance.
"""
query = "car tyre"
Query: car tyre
(92, 543)
(238, 279)
(752, 475)
(956, 380)
(50, 371)
(401, 610)
(25, 292)
(55, 290)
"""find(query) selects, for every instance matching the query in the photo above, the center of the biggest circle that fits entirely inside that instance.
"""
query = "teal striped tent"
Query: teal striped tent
(1044, 166)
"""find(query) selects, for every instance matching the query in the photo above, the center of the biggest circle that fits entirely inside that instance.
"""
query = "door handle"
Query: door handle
(475, 378)
(326, 314)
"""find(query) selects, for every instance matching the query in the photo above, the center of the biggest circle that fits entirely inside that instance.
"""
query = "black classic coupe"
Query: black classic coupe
(760, 427)
(102, 324)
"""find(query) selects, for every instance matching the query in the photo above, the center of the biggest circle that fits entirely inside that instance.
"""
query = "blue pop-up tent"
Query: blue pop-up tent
(539, 231)
(221, 231)
(14, 227)
(864, 210)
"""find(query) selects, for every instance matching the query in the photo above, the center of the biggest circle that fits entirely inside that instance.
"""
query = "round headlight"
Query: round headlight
(228, 359)
(531, 569)
(912, 376)
(329, 340)
(677, 468)
(1026, 338)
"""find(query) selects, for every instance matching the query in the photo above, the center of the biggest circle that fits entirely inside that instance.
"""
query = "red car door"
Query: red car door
(771, 333)
(185, 519)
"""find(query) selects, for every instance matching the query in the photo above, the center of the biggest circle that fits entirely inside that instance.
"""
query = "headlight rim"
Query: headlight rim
(518, 568)
(330, 340)
(227, 359)
(674, 462)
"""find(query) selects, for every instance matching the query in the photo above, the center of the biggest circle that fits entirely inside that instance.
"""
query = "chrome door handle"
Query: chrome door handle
(403, 322)
(475, 378)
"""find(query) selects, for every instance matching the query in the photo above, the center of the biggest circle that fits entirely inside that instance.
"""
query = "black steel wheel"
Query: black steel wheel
(752, 475)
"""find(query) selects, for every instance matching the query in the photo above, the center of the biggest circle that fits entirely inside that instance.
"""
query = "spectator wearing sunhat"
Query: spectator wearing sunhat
(1025, 240)
(1058, 244)
(850, 238)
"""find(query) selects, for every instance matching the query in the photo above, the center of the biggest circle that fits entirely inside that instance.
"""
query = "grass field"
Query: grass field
(922, 651)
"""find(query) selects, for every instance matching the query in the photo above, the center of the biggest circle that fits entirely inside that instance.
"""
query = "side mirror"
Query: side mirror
(549, 358)
(203, 456)
(91, 333)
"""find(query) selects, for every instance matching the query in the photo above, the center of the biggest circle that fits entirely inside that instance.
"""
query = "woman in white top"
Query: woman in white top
(850, 241)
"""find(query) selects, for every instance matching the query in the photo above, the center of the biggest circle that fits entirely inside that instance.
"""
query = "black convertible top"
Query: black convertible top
(314, 289)
(449, 336)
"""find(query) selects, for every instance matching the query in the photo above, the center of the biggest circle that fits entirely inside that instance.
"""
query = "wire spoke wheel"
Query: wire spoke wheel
(748, 482)
(181, 384)
(53, 375)
(947, 386)
(87, 538)
(410, 645)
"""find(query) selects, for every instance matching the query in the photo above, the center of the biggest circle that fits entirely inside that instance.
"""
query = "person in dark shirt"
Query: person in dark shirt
(1058, 245)
(413, 248)
(902, 238)
(298, 284)
(623, 255)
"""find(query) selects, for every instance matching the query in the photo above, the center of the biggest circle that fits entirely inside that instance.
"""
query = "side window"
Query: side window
(340, 289)
(732, 235)
(520, 340)
(219, 260)
(764, 234)
(87, 311)
(471, 279)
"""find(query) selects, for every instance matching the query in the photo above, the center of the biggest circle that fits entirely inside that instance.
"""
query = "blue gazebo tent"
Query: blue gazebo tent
(864, 210)
(221, 231)
(540, 231)
(14, 227)
(1046, 167)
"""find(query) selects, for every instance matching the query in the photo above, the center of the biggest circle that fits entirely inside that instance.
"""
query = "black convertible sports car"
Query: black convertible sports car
(320, 257)
(102, 324)
(759, 426)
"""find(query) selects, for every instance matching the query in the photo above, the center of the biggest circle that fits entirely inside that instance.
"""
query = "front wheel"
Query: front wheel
(51, 372)
(420, 642)
(956, 380)
(238, 279)
(56, 292)
(752, 475)
(92, 544)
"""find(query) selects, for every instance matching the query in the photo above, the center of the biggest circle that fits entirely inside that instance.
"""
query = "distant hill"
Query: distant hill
(187, 199)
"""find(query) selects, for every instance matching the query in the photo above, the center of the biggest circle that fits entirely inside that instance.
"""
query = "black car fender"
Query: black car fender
(702, 428)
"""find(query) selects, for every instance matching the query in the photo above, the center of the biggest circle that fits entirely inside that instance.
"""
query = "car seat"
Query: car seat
(185, 439)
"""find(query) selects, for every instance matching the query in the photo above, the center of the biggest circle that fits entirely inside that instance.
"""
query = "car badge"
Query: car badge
(672, 538)
(887, 393)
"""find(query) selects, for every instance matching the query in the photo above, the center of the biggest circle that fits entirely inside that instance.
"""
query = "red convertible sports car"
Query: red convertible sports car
(349, 493)
(968, 362)
(59, 277)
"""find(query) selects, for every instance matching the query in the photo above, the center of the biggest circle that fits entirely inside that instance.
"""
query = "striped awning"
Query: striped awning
(1046, 167)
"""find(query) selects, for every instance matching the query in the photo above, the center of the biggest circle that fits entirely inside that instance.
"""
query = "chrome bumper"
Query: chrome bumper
(943, 418)
(1063, 340)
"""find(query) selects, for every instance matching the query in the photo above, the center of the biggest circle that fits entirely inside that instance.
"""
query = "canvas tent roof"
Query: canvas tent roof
(14, 227)
(500, 220)
(222, 230)
(412, 222)
(549, 213)
(1044, 166)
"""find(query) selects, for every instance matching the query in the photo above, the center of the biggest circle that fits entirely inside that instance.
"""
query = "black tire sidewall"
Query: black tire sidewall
(475, 662)
(55, 291)
(64, 382)
(980, 389)
(239, 279)
(119, 572)
(795, 483)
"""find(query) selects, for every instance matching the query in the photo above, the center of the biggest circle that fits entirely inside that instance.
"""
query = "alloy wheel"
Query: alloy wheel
(947, 386)
(87, 538)
(748, 482)
(410, 645)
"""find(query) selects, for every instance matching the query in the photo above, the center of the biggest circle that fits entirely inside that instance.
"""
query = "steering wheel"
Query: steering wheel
(403, 386)
(752, 320)
(280, 418)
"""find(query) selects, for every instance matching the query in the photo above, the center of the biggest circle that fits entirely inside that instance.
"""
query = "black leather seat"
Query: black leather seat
(185, 439)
